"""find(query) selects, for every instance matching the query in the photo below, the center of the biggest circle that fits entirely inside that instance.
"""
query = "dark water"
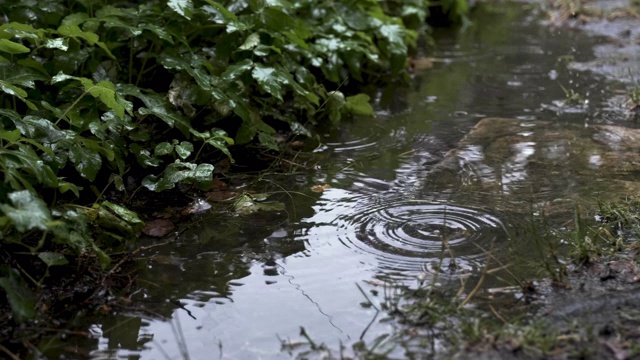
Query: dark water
(392, 215)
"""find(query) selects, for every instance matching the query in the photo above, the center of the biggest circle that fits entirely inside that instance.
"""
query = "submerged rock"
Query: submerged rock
(512, 162)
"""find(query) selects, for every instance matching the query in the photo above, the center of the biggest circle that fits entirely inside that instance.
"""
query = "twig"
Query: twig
(129, 256)
(497, 314)
(9, 353)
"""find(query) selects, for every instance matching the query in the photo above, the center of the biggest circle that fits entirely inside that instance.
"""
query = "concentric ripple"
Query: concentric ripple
(413, 237)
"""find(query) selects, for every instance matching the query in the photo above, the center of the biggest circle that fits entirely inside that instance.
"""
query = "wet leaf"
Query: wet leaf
(158, 227)
(235, 70)
(197, 206)
(123, 213)
(87, 162)
(251, 42)
(75, 31)
(53, 258)
(158, 106)
(59, 43)
(182, 7)
(27, 211)
(269, 80)
(320, 188)
(220, 195)
(20, 298)
(184, 149)
(359, 105)
(164, 148)
(179, 172)
(394, 34)
(65, 186)
(268, 141)
(247, 204)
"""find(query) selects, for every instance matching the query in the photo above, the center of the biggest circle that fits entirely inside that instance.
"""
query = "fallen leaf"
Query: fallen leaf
(296, 144)
(158, 227)
(320, 188)
(197, 206)
(220, 195)
(218, 185)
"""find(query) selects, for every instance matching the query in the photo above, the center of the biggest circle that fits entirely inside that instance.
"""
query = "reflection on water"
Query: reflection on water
(423, 191)
(408, 238)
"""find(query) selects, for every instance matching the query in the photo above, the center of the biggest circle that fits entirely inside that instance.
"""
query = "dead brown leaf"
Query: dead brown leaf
(158, 227)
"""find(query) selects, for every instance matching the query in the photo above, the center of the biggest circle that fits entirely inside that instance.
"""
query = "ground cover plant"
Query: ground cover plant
(102, 101)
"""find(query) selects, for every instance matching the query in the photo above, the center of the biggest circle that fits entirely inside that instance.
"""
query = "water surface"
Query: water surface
(232, 286)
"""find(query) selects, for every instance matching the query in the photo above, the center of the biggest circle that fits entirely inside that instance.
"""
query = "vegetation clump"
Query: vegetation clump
(101, 99)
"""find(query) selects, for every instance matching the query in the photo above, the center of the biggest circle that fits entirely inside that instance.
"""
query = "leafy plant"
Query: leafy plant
(92, 91)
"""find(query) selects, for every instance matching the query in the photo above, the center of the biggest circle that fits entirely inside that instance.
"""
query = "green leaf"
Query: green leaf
(59, 43)
(269, 80)
(234, 71)
(179, 172)
(247, 204)
(21, 300)
(122, 212)
(10, 136)
(104, 90)
(75, 31)
(158, 106)
(164, 148)
(245, 134)
(28, 211)
(11, 47)
(193, 65)
(53, 258)
(182, 7)
(31, 63)
(65, 186)
(17, 92)
(251, 42)
(184, 149)
(359, 105)
(394, 34)
(87, 162)
(12, 90)
(268, 141)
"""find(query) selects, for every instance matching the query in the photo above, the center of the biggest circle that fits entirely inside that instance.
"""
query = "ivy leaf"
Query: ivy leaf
(28, 211)
(359, 105)
(11, 47)
(182, 7)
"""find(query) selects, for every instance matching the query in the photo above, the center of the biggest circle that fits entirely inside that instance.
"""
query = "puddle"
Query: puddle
(417, 194)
